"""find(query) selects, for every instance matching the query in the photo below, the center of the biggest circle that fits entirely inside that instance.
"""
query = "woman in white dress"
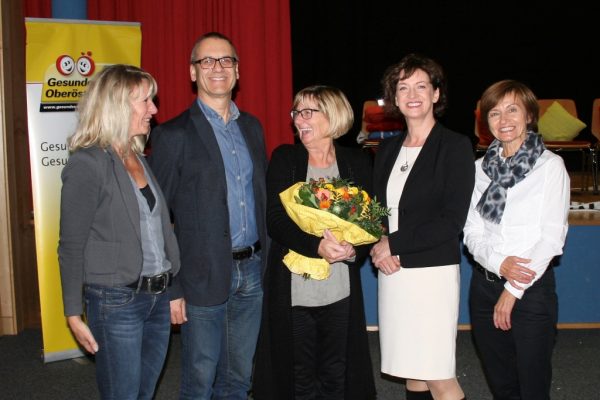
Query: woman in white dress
(426, 177)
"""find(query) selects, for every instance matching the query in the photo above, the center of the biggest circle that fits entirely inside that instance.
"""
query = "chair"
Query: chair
(582, 146)
(559, 146)
(376, 122)
(367, 104)
(484, 137)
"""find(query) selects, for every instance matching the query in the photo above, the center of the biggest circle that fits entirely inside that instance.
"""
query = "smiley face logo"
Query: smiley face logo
(65, 65)
(85, 64)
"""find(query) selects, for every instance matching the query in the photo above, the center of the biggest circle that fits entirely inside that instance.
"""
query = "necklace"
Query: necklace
(404, 167)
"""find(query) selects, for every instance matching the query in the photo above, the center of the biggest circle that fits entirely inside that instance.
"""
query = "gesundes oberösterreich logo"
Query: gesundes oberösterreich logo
(65, 81)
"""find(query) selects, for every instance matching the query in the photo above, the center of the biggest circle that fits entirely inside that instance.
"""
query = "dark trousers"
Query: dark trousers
(517, 362)
(320, 336)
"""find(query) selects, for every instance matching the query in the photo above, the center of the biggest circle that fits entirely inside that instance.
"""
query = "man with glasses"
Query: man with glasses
(211, 163)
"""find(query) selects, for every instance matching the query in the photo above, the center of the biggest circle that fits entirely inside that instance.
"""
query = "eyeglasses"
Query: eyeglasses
(210, 62)
(305, 113)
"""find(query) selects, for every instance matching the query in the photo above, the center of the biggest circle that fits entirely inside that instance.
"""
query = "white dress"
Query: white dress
(418, 307)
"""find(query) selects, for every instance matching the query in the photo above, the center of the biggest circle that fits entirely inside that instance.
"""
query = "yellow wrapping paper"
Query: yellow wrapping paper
(314, 222)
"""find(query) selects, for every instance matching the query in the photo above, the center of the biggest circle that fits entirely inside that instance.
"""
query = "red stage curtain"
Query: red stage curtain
(37, 8)
(260, 30)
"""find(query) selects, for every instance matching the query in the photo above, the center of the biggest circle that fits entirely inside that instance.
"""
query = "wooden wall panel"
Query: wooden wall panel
(19, 296)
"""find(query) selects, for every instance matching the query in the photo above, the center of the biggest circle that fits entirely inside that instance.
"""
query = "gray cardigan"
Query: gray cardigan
(100, 226)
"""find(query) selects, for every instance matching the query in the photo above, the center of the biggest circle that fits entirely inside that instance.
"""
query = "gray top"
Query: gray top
(153, 243)
(312, 292)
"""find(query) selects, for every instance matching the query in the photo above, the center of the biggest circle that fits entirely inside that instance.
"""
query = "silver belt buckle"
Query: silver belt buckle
(164, 281)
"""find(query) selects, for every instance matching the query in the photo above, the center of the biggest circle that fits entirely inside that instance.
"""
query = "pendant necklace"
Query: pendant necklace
(404, 167)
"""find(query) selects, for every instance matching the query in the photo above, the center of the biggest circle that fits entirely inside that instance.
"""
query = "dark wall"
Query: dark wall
(349, 43)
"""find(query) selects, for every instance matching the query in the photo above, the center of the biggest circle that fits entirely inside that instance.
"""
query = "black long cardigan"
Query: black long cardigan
(273, 375)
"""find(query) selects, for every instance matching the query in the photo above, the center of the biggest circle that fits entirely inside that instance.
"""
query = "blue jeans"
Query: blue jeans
(132, 330)
(219, 341)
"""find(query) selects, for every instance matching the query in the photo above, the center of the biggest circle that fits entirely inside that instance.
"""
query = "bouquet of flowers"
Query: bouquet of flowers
(346, 210)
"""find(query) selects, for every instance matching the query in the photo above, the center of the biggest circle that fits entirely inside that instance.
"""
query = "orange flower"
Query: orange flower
(345, 195)
(325, 204)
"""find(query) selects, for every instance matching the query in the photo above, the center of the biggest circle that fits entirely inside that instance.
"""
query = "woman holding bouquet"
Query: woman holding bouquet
(313, 341)
(426, 176)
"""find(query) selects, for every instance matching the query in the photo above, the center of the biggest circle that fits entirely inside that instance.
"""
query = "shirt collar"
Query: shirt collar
(213, 115)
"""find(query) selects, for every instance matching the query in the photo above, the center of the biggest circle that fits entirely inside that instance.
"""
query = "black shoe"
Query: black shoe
(426, 395)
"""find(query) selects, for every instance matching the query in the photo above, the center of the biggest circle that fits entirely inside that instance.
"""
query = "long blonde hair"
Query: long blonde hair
(105, 110)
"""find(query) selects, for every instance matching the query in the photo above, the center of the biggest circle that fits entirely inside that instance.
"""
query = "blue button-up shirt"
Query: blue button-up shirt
(238, 172)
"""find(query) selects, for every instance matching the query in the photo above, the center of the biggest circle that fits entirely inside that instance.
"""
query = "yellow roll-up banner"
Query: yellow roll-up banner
(61, 57)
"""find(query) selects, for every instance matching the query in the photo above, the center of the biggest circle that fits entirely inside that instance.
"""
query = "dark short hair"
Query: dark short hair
(403, 70)
(499, 90)
(211, 35)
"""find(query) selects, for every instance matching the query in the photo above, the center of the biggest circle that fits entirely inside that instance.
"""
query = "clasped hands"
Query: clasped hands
(382, 257)
(333, 250)
(513, 270)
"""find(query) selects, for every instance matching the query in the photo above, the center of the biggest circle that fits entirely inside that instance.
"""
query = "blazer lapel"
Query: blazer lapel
(205, 133)
(426, 157)
(393, 149)
(126, 190)
(428, 152)
(250, 142)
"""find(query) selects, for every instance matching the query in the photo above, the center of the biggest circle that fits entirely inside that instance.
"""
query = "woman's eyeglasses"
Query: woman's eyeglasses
(305, 113)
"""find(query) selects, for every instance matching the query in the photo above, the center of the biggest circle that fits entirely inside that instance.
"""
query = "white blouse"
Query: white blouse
(534, 224)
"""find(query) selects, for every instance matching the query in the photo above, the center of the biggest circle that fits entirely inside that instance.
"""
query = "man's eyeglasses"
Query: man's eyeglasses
(305, 113)
(210, 62)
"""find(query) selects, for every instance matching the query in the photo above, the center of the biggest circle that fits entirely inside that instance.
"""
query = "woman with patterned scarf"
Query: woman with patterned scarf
(517, 223)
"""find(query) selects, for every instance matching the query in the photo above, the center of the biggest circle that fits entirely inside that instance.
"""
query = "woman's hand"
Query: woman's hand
(513, 270)
(178, 314)
(82, 333)
(334, 251)
(382, 257)
(503, 310)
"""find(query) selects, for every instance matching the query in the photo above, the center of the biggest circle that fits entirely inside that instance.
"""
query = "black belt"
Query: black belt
(153, 284)
(246, 252)
(489, 276)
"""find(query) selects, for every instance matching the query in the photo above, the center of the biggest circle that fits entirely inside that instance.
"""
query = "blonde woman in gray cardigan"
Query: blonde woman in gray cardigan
(117, 250)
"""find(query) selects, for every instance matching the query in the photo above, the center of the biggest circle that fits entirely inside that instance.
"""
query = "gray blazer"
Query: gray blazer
(100, 240)
(187, 162)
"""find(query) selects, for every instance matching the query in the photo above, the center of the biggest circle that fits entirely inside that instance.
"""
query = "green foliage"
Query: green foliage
(346, 201)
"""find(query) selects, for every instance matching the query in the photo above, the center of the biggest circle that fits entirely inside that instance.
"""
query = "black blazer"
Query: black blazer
(187, 162)
(435, 201)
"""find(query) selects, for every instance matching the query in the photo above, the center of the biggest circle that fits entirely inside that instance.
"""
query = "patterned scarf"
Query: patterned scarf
(506, 174)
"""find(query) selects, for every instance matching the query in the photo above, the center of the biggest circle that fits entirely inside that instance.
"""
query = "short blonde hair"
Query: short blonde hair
(333, 104)
(105, 109)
